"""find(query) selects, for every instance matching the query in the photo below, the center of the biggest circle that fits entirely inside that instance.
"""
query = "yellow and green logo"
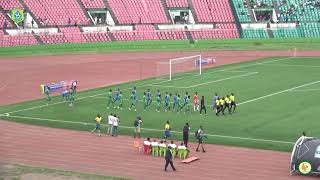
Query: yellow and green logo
(17, 15)
(305, 168)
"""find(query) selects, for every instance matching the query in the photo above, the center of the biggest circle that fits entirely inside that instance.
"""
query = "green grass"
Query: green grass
(15, 172)
(150, 46)
(278, 117)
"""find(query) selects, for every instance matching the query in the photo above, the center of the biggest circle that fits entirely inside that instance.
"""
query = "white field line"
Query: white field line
(228, 69)
(86, 97)
(219, 80)
(156, 130)
(307, 90)
(209, 82)
(290, 65)
(279, 92)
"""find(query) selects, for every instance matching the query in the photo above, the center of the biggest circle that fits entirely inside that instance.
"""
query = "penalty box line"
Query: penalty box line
(209, 82)
(156, 130)
(86, 97)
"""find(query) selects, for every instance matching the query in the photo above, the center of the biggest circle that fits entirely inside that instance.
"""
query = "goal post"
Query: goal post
(180, 67)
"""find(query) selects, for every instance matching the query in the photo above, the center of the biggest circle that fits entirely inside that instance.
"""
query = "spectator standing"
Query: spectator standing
(167, 130)
(137, 125)
(168, 158)
(115, 124)
(185, 133)
(110, 124)
(200, 136)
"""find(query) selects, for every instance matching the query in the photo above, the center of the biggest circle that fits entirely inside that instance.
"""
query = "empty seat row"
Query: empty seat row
(10, 4)
(139, 11)
(215, 34)
(213, 10)
(57, 12)
(177, 3)
(93, 4)
(17, 40)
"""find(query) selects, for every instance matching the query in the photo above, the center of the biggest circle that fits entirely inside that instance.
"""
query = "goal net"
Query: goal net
(179, 67)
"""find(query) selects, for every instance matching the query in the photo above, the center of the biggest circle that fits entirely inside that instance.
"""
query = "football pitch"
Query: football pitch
(277, 99)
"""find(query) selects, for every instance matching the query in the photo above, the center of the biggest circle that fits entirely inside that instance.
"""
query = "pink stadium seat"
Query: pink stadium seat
(3, 19)
(10, 4)
(139, 11)
(230, 33)
(58, 12)
(177, 3)
(96, 37)
(213, 10)
(93, 4)
(17, 40)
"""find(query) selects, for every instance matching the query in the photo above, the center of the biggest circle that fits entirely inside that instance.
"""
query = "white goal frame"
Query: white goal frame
(171, 61)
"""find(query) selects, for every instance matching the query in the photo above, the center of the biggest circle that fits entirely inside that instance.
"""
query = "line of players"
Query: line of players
(219, 105)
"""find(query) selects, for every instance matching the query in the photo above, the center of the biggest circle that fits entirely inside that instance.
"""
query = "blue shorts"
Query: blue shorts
(167, 133)
(98, 126)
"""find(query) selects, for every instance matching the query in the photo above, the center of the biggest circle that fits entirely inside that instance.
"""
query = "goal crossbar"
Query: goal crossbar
(172, 61)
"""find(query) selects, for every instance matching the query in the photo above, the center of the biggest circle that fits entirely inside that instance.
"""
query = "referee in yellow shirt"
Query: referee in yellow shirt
(98, 125)
(233, 102)
(222, 103)
(228, 103)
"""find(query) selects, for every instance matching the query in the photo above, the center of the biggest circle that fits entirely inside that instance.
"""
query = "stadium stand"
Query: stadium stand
(17, 40)
(96, 37)
(296, 10)
(139, 35)
(54, 38)
(215, 19)
(251, 33)
(242, 11)
(307, 30)
(171, 35)
(93, 4)
(72, 34)
(4, 22)
(139, 11)
(57, 12)
(10, 4)
(177, 3)
(213, 10)
(214, 34)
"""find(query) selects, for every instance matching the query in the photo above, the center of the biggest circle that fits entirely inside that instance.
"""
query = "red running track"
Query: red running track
(115, 156)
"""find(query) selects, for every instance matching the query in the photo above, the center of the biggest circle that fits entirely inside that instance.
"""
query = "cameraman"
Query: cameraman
(200, 135)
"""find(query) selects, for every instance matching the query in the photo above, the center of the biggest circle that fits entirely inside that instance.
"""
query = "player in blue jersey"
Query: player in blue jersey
(116, 97)
(175, 101)
(214, 103)
(167, 102)
(149, 97)
(185, 98)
